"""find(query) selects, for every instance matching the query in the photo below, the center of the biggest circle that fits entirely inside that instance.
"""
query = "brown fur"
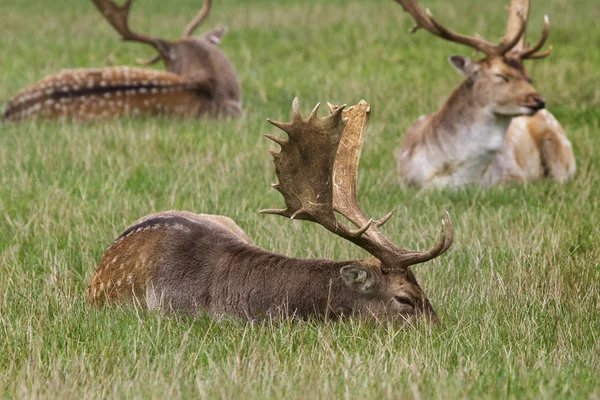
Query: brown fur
(184, 262)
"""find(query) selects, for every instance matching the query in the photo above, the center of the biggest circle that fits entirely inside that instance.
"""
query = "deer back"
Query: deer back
(157, 248)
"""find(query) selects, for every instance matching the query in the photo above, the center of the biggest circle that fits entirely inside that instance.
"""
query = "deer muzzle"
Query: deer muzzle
(534, 102)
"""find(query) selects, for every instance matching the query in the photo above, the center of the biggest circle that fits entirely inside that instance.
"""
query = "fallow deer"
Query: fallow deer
(184, 262)
(471, 139)
(200, 79)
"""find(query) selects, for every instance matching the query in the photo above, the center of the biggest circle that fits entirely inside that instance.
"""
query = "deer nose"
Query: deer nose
(539, 103)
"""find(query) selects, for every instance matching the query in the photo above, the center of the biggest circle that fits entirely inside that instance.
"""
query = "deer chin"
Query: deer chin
(529, 110)
(515, 112)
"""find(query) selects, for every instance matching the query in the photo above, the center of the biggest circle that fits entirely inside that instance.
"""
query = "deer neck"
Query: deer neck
(467, 112)
(466, 135)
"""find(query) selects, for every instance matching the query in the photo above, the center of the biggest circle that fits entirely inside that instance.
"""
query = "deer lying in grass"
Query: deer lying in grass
(180, 261)
(200, 80)
(466, 140)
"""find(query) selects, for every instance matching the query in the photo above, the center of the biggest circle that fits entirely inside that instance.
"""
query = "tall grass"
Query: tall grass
(518, 292)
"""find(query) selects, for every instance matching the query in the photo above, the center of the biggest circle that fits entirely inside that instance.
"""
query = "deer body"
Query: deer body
(185, 262)
(199, 81)
(493, 128)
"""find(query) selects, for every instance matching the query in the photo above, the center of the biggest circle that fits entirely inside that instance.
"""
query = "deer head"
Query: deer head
(317, 170)
(499, 79)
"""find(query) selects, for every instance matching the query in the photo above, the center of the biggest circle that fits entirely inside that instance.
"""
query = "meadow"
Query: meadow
(518, 292)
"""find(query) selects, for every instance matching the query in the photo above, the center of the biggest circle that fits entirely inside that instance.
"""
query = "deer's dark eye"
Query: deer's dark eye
(404, 301)
(504, 78)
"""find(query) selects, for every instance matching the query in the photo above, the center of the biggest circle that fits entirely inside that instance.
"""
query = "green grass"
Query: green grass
(518, 293)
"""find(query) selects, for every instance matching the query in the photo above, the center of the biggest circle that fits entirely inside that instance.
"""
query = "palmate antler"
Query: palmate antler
(317, 170)
(515, 31)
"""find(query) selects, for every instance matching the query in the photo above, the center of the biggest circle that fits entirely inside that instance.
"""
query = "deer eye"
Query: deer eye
(404, 301)
(504, 78)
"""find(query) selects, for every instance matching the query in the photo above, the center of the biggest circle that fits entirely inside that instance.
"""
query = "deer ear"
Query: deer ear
(360, 278)
(463, 64)
(215, 36)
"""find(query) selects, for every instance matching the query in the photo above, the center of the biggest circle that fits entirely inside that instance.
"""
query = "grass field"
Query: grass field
(518, 293)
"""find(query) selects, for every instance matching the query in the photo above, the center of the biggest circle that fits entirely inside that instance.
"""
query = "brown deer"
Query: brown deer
(200, 80)
(180, 261)
(471, 139)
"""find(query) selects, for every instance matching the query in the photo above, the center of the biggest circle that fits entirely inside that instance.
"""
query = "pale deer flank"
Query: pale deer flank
(200, 80)
(471, 139)
(184, 262)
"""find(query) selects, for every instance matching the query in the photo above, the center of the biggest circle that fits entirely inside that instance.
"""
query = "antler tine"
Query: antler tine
(444, 242)
(508, 43)
(198, 18)
(288, 127)
(274, 211)
(296, 110)
(421, 20)
(357, 233)
(531, 52)
(537, 56)
(313, 113)
(117, 17)
(284, 126)
(384, 219)
(277, 140)
(152, 61)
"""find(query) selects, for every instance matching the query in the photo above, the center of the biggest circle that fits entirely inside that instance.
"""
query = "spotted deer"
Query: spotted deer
(183, 262)
(200, 80)
(474, 138)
